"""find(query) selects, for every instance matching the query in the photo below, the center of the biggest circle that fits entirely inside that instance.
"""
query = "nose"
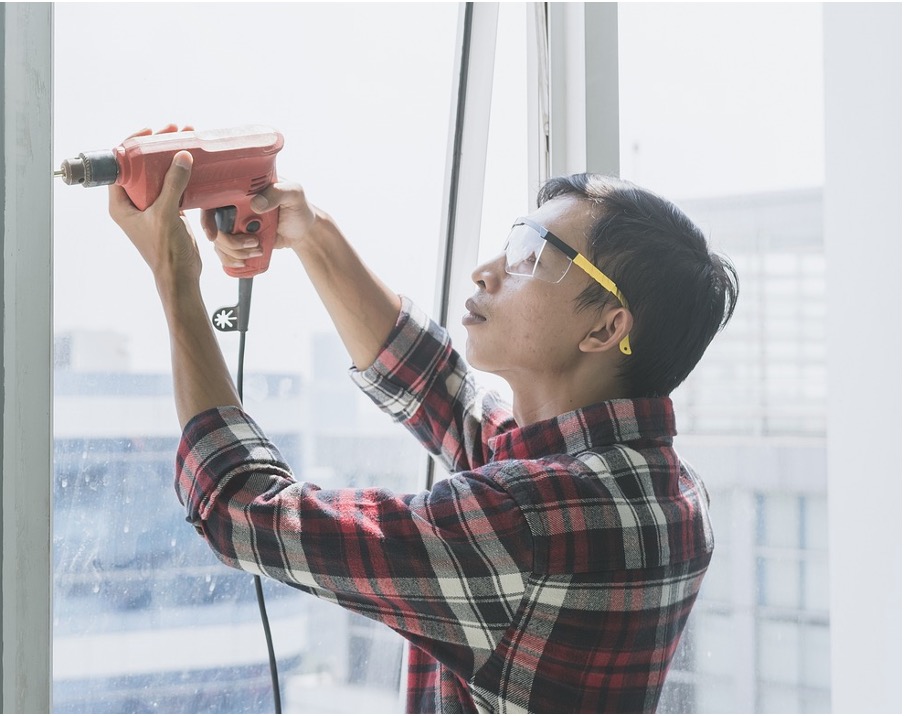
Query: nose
(488, 275)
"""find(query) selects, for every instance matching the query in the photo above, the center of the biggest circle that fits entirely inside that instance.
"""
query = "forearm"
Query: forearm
(164, 240)
(364, 310)
(423, 383)
(375, 552)
(201, 379)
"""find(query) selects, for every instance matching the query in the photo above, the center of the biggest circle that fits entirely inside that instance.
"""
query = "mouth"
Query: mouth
(472, 317)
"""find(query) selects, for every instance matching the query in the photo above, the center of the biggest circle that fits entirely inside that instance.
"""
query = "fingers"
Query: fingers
(280, 194)
(173, 128)
(209, 224)
(176, 180)
(233, 250)
(119, 204)
(164, 130)
(238, 247)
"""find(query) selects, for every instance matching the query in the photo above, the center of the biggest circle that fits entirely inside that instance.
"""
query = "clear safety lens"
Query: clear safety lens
(528, 254)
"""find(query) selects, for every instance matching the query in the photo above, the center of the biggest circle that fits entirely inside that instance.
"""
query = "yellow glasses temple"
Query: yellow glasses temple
(625, 345)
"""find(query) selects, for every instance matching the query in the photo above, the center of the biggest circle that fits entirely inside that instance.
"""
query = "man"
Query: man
(554, 570)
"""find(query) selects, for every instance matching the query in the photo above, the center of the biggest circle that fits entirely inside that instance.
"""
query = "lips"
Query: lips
(473, 316)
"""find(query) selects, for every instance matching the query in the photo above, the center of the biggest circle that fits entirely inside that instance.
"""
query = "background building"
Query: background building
(751, 419)
(132, 577)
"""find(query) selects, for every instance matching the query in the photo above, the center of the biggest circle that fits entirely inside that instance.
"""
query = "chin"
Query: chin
(476, 359)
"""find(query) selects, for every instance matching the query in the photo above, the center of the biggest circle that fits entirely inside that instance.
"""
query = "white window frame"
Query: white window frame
(27, 331)
(865, 201)
(582, 65)
(862, 235)
(468, 141)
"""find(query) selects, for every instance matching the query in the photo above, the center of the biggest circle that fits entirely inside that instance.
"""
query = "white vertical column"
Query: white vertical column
(583, 88)
(27, 356)
(537, 99)
(862, 231)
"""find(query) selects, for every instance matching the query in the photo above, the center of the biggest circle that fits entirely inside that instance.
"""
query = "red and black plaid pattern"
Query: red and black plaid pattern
(553, 571)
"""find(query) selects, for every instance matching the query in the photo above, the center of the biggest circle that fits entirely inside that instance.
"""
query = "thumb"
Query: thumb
(279, 194)
(177, 179)
(262, 203)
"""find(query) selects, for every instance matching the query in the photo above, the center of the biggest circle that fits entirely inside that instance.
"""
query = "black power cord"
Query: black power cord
(242, 326)
(236, 318)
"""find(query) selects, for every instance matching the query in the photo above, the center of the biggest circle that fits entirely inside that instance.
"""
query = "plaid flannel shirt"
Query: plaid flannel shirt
(553, 571)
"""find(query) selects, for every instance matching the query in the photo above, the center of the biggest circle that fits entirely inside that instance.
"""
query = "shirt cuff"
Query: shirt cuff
(218, 444)
(401, 376)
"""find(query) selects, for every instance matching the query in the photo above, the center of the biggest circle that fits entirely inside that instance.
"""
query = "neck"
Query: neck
(537, 399)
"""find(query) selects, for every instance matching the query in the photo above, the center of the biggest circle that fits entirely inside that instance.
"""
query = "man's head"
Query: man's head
(679, 293)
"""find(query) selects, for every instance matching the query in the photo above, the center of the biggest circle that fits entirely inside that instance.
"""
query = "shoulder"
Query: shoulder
(609, 508)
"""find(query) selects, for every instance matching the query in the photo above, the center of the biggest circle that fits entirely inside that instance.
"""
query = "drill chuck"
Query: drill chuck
(91, 169)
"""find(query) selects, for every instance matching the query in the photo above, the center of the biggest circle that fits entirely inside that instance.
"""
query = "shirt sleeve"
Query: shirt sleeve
(421, 381)
(443, 567)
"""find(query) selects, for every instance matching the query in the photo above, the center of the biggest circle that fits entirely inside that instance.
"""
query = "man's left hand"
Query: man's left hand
(161, 233)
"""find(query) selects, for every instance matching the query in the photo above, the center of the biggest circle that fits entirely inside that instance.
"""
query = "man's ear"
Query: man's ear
(613, 324)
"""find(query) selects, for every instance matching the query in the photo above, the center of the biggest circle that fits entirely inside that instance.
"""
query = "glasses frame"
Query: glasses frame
(583, 263)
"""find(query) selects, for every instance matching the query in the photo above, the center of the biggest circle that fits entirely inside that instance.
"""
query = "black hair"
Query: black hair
(679, 292)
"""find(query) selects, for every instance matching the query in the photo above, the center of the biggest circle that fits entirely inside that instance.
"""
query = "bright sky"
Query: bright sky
(721, 98)
(361, 96)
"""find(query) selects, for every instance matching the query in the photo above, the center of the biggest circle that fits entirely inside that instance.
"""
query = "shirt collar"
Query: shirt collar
(598, 425)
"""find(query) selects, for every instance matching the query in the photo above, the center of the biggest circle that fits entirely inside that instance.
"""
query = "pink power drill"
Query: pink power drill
(230, 166)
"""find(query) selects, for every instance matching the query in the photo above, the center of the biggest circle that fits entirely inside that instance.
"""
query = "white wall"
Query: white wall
(862, 227)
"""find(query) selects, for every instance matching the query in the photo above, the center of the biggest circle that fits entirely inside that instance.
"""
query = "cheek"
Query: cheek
(535, 329)
(546, 329)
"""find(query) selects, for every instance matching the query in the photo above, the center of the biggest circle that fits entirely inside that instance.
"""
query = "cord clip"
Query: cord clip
(235, 318)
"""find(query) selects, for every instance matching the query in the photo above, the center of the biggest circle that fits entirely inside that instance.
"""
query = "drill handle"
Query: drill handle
(225, 218)
(240, 218)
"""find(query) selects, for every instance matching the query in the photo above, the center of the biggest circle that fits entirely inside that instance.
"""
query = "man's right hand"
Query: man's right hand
(363, 309)
(295, 223)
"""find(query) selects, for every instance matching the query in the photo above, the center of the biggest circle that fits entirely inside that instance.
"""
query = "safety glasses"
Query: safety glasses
(526, 254)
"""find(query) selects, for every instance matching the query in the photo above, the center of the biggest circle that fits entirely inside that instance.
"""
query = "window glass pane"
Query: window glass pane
(774, 699)
(721, 110)
(742, 88)
(816, 527)
(710, 701)
(779, 582)
(716, 650)
(816, 582)
(779, 518)
(719, 581)
(145, 618)
(778, 649)
(816, 656)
